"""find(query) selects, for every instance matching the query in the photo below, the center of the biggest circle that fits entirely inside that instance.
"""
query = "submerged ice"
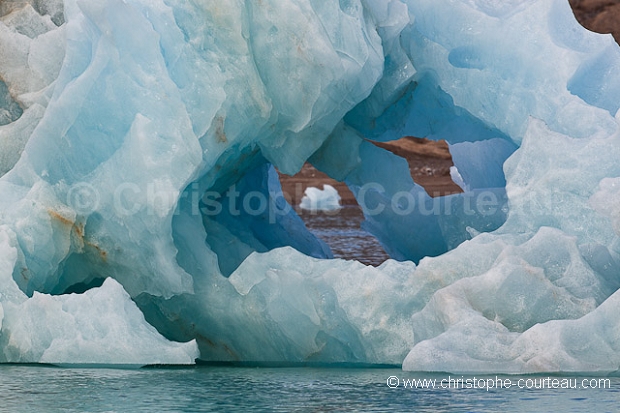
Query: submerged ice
(142, 221)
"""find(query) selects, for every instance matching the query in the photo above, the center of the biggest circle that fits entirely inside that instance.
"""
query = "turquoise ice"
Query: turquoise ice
(140, 209)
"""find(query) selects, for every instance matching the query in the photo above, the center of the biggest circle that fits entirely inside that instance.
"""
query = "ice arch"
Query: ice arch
(135, 117)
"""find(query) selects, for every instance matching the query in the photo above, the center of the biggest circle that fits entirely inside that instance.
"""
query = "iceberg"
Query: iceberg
(142, 220)
(102, 326)
(326, 199)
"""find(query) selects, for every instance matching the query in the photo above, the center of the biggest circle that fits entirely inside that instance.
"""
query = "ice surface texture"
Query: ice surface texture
(101, 326)
(326, 199)
(138, 199)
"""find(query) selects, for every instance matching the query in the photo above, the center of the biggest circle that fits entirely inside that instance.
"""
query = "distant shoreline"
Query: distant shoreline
(429, 165)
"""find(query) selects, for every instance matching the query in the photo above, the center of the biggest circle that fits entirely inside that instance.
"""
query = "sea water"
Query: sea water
(341, 230)
(296, 389)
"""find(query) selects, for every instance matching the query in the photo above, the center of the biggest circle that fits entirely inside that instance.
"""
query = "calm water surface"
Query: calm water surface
(341, 231)
(230, 389)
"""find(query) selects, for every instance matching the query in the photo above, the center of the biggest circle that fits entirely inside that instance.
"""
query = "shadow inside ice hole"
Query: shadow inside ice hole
(429, 165)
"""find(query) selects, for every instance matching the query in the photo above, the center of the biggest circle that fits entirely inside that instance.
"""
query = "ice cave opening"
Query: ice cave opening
(432, 169)
(470, 199)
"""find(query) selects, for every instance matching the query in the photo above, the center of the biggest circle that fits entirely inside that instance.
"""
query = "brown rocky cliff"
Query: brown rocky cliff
(601, 16)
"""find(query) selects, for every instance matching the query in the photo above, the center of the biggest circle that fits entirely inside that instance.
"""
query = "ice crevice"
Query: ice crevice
(142, 220)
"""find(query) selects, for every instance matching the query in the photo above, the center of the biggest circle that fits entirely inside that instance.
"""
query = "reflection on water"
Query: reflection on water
(341, 231)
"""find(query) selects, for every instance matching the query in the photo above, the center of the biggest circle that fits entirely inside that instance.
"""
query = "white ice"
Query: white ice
(326, 199)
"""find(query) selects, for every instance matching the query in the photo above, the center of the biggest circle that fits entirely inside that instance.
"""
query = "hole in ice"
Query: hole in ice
(340, 229)
(429, 165)
(82, 287)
